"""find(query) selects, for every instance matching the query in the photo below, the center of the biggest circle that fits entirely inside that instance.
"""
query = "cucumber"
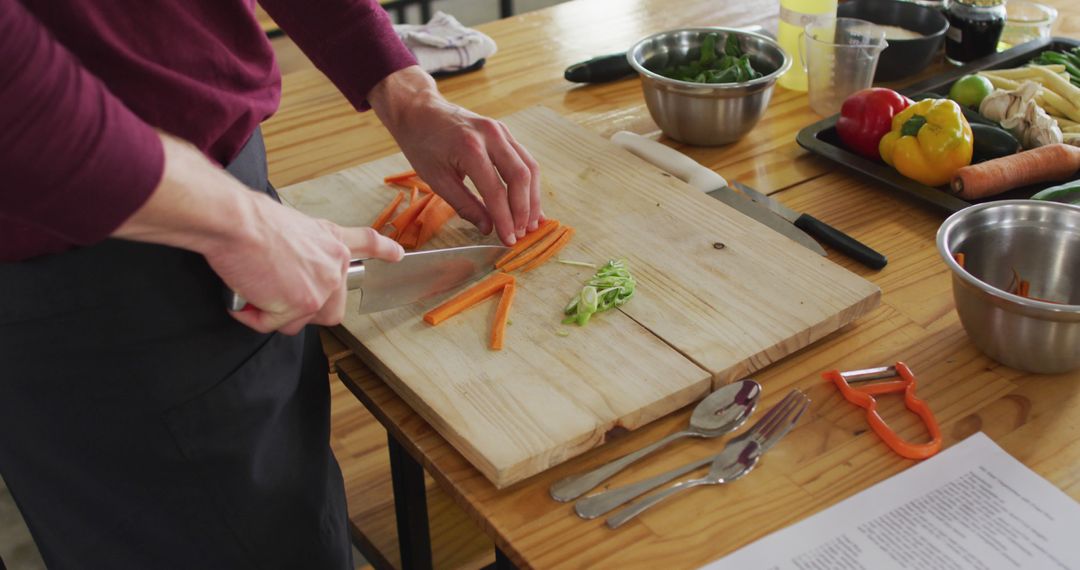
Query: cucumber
(1068, 193)
(992, 142)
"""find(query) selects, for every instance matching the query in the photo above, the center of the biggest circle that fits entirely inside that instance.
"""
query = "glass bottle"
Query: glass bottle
(974, 29)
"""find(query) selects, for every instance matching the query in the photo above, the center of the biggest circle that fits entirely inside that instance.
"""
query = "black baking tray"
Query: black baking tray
(820, 138)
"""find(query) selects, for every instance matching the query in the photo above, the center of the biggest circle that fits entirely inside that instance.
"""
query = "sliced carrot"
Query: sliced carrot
(410, 236)
(409, 214)
(413, 195)
(959, 257)
(423, 186)
(498, 329)
(532, 252)
(396, 178)
(545, 228)
(437, 212)
(388, 211)
(560, 242)
(487, 287)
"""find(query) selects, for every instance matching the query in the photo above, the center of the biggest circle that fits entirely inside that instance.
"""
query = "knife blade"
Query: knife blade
(846, 244)
(418, 276)
(702, 178)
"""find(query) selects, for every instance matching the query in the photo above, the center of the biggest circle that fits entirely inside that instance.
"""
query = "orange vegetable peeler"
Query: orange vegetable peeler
(864, 398)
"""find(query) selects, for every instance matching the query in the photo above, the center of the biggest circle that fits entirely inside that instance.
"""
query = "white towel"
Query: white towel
(444, 45)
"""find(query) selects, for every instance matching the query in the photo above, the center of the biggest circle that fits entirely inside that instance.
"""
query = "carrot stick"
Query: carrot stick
(413, 195)
(498, 330)
(532, 252)
(431, 218)
(564, 238)
(399, 177)
(423, 186)
(1043, 164)
(545, 228)
(489, 286)
(407, 216)
(410, 236)
(959, 257)
(384, 216)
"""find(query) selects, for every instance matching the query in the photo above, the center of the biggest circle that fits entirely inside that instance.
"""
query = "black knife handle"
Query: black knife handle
(846, 244)
(600, 69)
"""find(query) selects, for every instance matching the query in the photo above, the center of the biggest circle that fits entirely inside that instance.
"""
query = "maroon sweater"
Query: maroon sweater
(84, 83)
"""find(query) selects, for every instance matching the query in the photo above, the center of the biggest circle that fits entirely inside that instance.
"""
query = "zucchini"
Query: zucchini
(1068, 193)
(991, 142)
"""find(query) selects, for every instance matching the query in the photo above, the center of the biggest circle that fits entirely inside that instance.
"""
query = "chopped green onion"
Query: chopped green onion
(611, 286)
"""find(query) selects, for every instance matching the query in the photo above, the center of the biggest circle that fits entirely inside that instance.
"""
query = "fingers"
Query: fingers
(483, 174)
(365, 243)
(535, 211)
(465, 203)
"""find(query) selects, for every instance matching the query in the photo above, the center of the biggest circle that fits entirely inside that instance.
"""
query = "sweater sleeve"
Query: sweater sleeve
(351, 41)
(74, 161)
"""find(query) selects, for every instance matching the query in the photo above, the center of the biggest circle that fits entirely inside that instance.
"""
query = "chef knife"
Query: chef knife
(419, 275)
(686, 169)
(846, 244)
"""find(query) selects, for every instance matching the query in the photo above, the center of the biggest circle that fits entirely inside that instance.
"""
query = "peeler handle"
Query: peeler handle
(864, 398)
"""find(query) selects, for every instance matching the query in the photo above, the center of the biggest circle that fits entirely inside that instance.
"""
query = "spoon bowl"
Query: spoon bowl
(720, 412)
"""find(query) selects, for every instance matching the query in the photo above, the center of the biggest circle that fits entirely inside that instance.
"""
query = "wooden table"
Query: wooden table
(831, 455)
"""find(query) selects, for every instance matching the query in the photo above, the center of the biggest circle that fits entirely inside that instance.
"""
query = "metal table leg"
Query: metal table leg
(506, 8)
(410, 504)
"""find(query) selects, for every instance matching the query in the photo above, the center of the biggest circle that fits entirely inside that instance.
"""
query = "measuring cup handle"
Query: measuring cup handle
(802, 55)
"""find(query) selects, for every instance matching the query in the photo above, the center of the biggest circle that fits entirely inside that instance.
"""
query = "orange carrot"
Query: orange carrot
(489, 286)
(498, 330)
(423, 186)
(560, 242)
(545, 228)
(399, 177)
(1043, 164)
(407, 216)
(412, 195)
(959, 257)
(384, 216)
(532, 252)
(410, 236)
(437, 212)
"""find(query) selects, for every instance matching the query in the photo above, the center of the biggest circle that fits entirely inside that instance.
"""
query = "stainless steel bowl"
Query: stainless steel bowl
(1040, 241)
(700, 113)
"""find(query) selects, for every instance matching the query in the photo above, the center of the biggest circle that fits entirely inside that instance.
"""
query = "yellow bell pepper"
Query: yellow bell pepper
(929, 141)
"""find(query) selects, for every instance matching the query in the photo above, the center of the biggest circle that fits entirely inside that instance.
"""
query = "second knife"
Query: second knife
(704, 179)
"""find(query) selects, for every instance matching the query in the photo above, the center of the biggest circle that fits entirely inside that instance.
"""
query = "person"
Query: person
(143, 425)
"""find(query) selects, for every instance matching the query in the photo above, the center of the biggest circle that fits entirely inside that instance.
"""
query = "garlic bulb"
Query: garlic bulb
(1017, 111)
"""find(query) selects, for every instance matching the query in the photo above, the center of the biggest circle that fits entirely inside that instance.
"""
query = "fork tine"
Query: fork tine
(769, 417)
(777, 414)
(802, 403)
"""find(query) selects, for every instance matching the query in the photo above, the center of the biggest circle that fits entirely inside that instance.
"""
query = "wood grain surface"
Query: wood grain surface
(832, 454)
(718, 297)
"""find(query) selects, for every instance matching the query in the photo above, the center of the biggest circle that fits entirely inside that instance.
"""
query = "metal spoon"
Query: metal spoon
(721, 412)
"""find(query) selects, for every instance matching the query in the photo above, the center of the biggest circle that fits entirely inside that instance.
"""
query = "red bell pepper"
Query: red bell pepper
(866, 116)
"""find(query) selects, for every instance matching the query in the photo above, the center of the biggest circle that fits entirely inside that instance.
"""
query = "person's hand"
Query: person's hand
(446, 143)
(290, 267)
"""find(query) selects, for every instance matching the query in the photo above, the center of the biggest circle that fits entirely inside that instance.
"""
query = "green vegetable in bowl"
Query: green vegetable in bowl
(611, 286)
(730, 66)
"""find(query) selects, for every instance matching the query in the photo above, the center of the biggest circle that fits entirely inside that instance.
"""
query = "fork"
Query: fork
(765, 434)
(598, 504)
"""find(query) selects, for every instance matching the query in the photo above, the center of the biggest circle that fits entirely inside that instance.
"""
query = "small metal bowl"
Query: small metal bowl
(702, 113)
(1040, 242)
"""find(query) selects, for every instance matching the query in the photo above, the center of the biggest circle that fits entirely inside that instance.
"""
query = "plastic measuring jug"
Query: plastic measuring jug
(840, 57)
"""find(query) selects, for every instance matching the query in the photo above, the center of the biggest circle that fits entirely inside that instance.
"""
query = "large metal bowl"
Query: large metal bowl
(1040, 241)
(701, 113)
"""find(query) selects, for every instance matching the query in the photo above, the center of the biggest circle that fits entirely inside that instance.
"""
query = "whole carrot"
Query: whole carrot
(1044, 164)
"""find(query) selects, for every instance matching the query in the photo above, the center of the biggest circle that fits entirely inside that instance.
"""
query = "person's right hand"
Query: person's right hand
(292, 268)
(289, 266)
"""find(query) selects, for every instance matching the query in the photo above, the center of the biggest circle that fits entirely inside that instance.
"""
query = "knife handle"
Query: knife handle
(600, 69)
(844, 243)
(670, 160)
(354, 277)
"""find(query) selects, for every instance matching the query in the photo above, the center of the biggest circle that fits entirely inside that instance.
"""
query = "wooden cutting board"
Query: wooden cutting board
(718, 297)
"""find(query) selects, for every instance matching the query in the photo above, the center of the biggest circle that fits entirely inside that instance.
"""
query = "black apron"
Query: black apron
(142, 427)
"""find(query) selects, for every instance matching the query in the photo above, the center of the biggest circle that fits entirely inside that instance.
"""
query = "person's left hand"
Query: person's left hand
(446, 143)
